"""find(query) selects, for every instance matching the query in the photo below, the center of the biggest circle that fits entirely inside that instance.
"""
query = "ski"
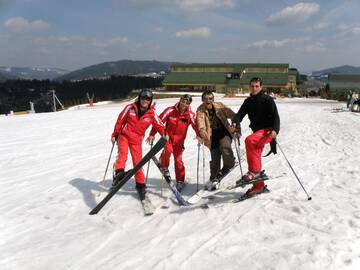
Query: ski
(147, 206)
(204, 194)
(245, 196)
(154, 150)
(171, 184)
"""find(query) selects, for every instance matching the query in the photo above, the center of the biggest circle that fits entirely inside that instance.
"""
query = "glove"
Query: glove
(272, 148)
(236, 130)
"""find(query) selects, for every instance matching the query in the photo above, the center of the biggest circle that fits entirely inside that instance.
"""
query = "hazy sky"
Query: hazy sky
(72, 34)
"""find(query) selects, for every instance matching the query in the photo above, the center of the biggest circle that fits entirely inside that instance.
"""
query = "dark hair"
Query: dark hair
(186, 97)
(255, 80)
(206, 93)
(146, 93)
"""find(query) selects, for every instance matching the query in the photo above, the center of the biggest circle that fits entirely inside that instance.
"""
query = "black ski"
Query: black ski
(154, 150)
(171, 184)
(245, 196)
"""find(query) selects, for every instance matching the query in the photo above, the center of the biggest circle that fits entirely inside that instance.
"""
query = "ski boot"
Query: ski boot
(255, 189)
(249, 176)
(214, 183)
(180, 185)
(119, 174)
(141, 189)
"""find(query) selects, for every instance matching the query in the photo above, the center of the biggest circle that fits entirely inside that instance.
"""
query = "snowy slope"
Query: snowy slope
(51, 164)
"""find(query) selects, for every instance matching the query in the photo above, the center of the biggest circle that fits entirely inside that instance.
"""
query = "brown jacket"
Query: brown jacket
(202, 119)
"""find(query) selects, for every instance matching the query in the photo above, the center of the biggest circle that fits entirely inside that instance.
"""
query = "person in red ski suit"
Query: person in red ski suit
(265, 124)
(129, 132)
(177, 119)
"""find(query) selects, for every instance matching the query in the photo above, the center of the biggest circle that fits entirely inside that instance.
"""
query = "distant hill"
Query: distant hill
(5, 76)
(122, 67)
(30, 73)
(338, 70)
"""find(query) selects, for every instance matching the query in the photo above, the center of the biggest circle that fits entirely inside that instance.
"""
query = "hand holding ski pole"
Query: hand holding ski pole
(200, 140)
(235, 130)
(150, 140)
(272, 133)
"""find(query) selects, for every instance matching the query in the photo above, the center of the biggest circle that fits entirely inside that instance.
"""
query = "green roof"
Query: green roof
(293, 71)
(267, 78)
(219, 78)
(239, 66)
(195, 78)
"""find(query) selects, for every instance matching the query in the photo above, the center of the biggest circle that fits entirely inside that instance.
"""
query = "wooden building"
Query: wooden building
(230, 77)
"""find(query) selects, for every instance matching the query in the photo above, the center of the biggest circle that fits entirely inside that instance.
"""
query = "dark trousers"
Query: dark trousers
(223, 151)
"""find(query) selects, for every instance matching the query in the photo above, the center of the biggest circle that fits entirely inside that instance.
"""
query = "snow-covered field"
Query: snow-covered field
(51, 164)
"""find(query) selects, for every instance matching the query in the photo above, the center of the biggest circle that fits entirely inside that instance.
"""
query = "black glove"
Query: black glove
(272, 148)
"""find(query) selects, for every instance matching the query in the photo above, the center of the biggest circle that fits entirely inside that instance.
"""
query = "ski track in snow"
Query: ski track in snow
(51, 164)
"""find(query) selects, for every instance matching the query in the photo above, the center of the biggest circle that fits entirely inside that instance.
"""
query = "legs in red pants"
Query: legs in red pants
(136, 155)
(177, 151)
(254, 144)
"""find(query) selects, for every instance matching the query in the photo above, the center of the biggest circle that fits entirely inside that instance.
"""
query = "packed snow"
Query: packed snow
(52, 163)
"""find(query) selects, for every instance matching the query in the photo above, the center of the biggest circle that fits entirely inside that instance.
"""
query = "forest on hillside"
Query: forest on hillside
(16, 95)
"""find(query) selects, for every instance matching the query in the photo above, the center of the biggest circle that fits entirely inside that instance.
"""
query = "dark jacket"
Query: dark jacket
(262, 112)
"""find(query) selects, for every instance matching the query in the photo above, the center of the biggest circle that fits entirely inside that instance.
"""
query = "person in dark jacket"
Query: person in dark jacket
(265, 124)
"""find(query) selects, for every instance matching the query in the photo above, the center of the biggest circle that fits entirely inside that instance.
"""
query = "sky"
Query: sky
(73, 34)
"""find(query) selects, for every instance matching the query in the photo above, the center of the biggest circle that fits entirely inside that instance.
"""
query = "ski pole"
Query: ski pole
(147, 171)
(107, 166)
(203, 153)
(197, 168)
(308, 197)
(237, 147)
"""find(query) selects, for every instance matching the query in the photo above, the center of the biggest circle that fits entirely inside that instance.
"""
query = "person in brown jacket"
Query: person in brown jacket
(216, 132)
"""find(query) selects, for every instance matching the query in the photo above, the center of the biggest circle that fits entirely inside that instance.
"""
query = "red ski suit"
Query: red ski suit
(176, 126)
(130, 130)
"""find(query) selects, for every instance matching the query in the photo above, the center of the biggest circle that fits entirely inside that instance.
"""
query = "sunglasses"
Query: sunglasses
(208, 98)
(145, 98)
(185, 101)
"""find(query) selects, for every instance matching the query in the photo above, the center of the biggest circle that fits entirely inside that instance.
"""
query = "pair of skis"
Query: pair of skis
(146, 203)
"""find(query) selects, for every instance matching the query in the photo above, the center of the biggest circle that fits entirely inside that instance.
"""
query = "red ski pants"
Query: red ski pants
(176, 150)
(254, 144)
(136, 155)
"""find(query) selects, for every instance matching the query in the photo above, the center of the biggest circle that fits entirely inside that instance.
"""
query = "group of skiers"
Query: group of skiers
(212, 128)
